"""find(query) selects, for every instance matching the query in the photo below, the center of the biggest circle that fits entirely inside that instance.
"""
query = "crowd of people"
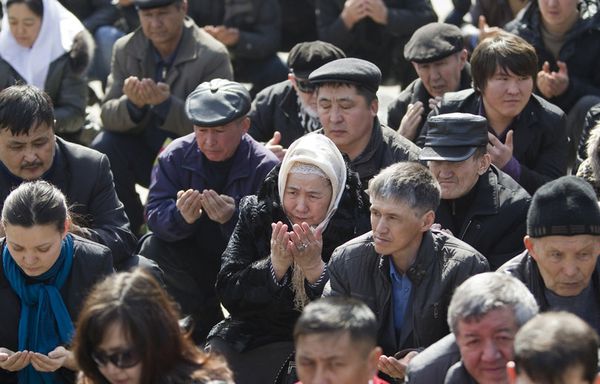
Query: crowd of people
(289, 235)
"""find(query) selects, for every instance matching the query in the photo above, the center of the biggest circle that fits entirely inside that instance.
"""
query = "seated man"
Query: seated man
(560, 266)
(374, 30)
(195, 190)
(29, 150)
(347, 105)
(480, 205)
(437, 53)
(403, 270)
(555, 347)
(251, 31)
(287, 110)
(527, 135)
(484, 314)
(336, 342)
(153, 70)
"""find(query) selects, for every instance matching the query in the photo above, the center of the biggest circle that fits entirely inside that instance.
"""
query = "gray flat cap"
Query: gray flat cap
(433, 42)
(348, 70)
(217, 102)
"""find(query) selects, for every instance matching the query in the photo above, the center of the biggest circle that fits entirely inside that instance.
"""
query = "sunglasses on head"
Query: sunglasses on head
(305, 85)
(121, 359)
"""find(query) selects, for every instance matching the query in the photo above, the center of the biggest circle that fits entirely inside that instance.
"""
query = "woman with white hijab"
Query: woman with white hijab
(275, 261)
(45, 45)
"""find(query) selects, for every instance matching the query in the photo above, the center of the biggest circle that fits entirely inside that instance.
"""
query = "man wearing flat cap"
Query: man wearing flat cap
(196, 186)
(347, 105)
(480, 205)
(285, 111)
(153, 70)
(436, 52)
(560, 266)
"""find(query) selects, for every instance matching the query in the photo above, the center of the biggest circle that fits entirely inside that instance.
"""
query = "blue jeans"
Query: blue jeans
(105, 37)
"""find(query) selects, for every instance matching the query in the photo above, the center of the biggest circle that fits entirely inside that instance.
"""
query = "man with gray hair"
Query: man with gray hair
(484, 315)
(403, 270)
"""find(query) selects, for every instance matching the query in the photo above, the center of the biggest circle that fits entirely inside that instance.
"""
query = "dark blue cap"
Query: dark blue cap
(217, 102)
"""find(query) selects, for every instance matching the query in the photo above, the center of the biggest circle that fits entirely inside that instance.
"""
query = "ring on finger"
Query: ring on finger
(302, 247)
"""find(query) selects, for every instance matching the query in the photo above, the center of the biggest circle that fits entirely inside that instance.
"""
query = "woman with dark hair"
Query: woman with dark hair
(128, 333)
(45, 45)
(44, 276)
(275, 262)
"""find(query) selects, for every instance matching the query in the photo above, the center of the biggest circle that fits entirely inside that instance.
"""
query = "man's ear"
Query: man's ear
(428, 220)
(373, 360)
(529, 245)
(484, 163)
(374, 107)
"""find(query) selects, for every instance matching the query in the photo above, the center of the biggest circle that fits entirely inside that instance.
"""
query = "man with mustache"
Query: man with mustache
(29, 150)
(527, 135)
(480, 205)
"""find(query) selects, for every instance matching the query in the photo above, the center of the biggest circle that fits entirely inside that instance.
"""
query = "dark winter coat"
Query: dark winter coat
(93, 13)
(91, 262)
(66, 83)
(261, 312)
(540, 136)
(84, 176)
(442, 264)
(494, 221)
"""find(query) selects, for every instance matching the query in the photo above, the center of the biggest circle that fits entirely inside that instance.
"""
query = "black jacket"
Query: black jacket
(494, 221)
(417, 92)
(275, 108)
(525, 268)
(84, 176)
(91, 263)
(581, 52)
(540, 137)
(442, 264)
(262, 312)
(93, 13)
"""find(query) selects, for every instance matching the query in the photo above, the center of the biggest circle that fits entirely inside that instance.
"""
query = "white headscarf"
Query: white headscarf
(318, 150)
(59, 27)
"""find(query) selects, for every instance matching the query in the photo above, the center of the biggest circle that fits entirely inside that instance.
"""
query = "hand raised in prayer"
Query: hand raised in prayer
(131, 89)
(281, 257)
(14, 361)
(411, 120)
(353, 12)
(189, 204)
(57, 358)
(154, 93)
(377, 11)
(219, 208)
(393, 367)
(306, 249)
(274, 146)
(500, 152)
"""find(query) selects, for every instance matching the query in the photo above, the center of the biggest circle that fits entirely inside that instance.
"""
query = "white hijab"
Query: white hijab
(59, 27)
(318, 150)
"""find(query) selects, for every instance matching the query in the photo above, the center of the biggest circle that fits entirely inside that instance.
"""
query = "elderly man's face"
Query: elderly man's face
(486, 345)
(334, 358)
(346, 117)
(28, 156)
(566, 263)
(457, 178)
(443, 75)
(219, 143)
(163, 25)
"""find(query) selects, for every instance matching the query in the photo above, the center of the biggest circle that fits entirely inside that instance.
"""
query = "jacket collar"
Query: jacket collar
(373, 145)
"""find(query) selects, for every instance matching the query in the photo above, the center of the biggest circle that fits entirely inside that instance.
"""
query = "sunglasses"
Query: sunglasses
(121, 359)
(305, 86)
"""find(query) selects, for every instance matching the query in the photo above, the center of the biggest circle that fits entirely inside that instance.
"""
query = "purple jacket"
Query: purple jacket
(180, 167)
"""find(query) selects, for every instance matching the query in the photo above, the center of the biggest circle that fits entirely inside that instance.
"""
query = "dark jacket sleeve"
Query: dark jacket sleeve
(110, 225)
(261, 116)
(104, 13)
(264, 38)
(396, 111)
(69, 106)
(337, 276)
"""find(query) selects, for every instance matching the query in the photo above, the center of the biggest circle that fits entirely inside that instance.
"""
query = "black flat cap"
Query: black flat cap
(307, 56)
(147, 4)
(349, 70)
(217, 102)
(454, 136)
(433, 42)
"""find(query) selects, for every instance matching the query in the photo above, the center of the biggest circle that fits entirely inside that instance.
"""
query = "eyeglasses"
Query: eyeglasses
(121, 359)
(305, 85)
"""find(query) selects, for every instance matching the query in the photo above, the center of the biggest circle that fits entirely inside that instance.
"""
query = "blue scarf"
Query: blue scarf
(45, 322)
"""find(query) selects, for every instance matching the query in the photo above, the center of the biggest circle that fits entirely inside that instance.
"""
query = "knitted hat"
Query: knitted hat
(564, 207)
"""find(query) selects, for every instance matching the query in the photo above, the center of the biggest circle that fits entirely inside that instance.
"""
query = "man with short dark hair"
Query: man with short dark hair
(437, 53)
(403, 270)
(555, 347)
(480, 204)
(560, 265)
(29, 150)
(196, 187)
(347, 105)
(285, 111)
(153, 70)
(336, 343)
(527, 135)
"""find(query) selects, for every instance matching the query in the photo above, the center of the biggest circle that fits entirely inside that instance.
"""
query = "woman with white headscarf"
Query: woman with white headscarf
(275, 261)
(45, 45)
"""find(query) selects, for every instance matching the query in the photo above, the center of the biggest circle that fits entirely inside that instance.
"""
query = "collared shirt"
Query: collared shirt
(401, 289)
